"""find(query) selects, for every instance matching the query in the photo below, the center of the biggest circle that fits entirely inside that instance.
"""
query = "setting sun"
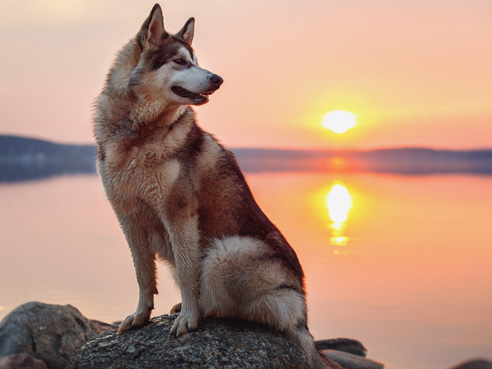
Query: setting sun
(339, 121)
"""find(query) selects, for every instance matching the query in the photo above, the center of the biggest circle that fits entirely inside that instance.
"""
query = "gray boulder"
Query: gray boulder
(348, 345)
(50, 333)
(215, 344)
(351, 361)
(474, 364)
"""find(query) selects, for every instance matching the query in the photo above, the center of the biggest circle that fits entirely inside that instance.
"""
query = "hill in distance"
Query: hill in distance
(23, 158)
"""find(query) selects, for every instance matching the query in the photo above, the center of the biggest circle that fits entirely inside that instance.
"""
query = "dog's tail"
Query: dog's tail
(306, 342)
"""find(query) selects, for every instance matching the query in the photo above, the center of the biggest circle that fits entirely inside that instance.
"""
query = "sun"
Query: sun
(339, 121)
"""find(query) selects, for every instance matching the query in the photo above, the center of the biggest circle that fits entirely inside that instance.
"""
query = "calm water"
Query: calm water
(403, 264)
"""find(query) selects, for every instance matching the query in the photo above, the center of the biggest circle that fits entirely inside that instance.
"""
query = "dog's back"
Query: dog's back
(227, 206)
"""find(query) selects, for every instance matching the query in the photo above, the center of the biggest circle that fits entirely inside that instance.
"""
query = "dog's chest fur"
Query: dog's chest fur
(142, 169)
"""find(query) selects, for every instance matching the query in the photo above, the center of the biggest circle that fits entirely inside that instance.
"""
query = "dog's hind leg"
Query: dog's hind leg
(240, 280)
(176, 308)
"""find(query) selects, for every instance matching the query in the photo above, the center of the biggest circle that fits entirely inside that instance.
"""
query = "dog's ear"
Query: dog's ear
(188, 31)
(153, 28)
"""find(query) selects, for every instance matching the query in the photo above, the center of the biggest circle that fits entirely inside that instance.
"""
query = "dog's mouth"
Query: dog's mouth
(197, 99)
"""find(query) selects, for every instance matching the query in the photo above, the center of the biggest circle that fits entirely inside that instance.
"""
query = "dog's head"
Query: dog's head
(167, 68)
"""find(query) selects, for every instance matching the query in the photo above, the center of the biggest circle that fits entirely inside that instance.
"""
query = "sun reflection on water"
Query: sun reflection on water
(339, 203)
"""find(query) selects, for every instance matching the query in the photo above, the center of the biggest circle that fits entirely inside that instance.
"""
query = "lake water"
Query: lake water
(402, 263)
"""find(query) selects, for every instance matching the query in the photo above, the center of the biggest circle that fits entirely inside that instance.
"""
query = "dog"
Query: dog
(179, 195)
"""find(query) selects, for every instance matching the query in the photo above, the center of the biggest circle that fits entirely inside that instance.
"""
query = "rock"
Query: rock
(21, 361)
(39, 336)
(343, 344)
(50, 333)
(351, 361)
(474, 364)
(217, 343)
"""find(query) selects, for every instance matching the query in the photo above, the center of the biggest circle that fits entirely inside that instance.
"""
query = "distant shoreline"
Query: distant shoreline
(23, 158)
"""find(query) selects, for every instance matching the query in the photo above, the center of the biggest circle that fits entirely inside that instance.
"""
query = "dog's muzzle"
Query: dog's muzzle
(201, 97)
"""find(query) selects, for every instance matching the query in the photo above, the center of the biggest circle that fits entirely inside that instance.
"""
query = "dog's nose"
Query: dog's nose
(216, 80)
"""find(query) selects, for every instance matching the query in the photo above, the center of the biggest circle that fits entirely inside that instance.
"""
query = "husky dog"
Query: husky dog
(180, 196)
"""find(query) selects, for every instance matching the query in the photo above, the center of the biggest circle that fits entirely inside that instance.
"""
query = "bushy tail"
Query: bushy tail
(315, 359)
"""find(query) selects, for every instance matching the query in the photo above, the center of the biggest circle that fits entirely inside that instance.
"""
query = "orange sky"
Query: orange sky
(415, 72)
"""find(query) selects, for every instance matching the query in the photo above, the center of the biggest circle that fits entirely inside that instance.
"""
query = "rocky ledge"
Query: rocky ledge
(40, 336)
(215, 344)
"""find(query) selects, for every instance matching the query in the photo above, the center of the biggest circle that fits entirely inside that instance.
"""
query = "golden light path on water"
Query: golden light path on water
(339, 203)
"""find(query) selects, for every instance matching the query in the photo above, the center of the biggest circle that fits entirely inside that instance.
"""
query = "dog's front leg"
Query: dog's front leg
(145, 268)
(187, 255)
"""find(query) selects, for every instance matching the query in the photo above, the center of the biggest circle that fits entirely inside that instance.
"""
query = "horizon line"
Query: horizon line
(282, 148)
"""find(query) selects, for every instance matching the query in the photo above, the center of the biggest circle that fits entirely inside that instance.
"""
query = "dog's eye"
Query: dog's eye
(179, 61)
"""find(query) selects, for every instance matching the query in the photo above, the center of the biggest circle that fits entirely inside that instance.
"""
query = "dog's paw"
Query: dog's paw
(184, 323)
(176, 308)
(136, 320)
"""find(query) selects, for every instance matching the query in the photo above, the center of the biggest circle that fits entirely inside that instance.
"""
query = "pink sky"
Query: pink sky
(415, 73)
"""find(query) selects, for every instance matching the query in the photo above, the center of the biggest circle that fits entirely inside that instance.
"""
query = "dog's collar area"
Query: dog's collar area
(178, 118)
(146, 128)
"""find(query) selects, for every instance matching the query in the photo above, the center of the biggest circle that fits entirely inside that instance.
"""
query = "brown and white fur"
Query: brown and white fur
(180, 196)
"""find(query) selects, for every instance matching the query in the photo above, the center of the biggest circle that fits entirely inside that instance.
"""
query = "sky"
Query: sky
(415, 73)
